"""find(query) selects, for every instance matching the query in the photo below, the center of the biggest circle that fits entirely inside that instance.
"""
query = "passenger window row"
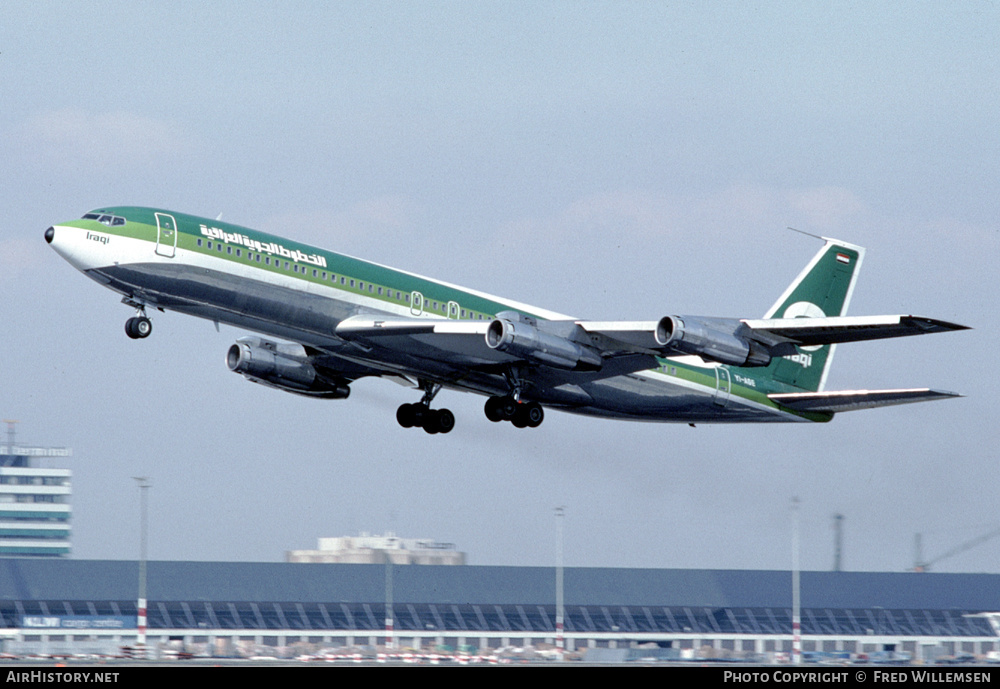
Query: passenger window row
(357, 285)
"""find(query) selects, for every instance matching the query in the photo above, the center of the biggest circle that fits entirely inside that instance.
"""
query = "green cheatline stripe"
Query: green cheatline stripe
(34, 551)
(700, 377)
(35, 533)
(352, 268)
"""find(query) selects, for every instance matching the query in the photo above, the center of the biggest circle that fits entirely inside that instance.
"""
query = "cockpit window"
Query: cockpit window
(104, 219)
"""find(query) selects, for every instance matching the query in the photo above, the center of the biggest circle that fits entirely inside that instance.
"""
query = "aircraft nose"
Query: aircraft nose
(50, 234)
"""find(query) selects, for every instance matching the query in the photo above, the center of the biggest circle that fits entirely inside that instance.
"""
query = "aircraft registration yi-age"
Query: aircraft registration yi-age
(342, 318)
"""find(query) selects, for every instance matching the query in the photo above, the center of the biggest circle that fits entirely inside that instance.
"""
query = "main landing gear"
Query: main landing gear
(509, 407)
(420, 414)
(521, 414)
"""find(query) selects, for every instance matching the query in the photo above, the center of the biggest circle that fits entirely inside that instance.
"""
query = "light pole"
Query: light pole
(144, 484)
(796, 603)
(560, 610)
(390, 637)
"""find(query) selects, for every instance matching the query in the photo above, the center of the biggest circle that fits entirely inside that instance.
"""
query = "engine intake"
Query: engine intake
(715, 339)
(282, 366)
(523, 337)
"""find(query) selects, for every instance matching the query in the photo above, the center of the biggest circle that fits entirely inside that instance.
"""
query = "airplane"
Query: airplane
(340, 319)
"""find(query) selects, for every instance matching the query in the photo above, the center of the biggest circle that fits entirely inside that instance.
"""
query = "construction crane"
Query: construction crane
(920, 565)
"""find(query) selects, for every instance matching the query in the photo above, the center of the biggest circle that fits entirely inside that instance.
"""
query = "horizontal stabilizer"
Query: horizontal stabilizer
(850, 400)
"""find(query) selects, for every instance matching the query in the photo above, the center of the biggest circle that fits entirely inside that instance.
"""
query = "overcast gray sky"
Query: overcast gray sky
(606, 160)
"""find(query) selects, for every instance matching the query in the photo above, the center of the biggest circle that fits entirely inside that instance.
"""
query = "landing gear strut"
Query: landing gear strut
(521, 414)
(420, 414)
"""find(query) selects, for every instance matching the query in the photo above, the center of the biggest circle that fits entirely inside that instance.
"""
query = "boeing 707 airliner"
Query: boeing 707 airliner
(335, 319)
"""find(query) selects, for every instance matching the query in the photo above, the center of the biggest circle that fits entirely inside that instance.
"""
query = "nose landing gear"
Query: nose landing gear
(138, 327)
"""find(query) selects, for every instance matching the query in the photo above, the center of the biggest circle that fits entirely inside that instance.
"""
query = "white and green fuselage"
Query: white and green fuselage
(284, 289)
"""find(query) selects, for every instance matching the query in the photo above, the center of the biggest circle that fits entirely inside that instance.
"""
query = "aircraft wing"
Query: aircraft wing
(821, 331)
(591, 345)
(571, 355)
(750, 342)
(850, 400)
(773, 331)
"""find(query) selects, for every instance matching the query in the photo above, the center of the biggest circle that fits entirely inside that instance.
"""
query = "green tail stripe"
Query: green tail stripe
(823, 288)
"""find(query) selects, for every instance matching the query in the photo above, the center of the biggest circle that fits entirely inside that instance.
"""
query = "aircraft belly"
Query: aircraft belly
(236, 300)
(293, 314)
(310, 319)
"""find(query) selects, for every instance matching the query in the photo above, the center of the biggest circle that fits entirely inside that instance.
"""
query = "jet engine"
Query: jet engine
(717, 339)
(548, 342)
(283, 366)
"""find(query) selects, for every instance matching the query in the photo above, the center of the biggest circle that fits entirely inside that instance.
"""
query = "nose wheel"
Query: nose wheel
(138, 327)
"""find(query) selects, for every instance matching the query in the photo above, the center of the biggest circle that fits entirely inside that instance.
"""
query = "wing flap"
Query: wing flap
(373, 327)
(455, 342)
(620, 338)
(851, 400)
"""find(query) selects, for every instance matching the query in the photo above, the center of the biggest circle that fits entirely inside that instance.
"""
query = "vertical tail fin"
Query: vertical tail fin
(823, 288)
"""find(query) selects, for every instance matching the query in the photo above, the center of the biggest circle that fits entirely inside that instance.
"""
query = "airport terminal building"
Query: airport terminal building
(219, 608)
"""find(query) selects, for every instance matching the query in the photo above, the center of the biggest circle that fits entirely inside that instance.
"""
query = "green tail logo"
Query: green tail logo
(823, 288)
